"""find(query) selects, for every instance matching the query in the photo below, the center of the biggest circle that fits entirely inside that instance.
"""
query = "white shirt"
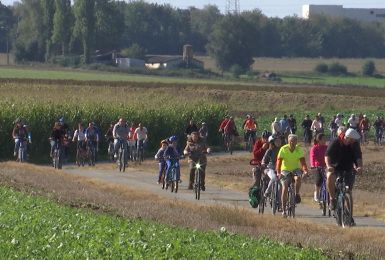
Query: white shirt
(141, 134)
(80, 135)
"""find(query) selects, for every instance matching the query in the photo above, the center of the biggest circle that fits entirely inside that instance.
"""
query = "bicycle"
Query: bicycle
(140, 151)
(291, 203)
(174, 176)
(91, 152)
(22, 152)
(324, 198)
(81, 155)
(228, 143)
(344, 208)
(275, 197)
(57, 155)
(378, 138)
(122, 156)
(110, 150)
(364, 137)
(264, 182)
(198, 180)
(250, 140)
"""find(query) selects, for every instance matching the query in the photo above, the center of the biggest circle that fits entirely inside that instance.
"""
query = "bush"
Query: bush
(337, 68)
(368, 68)
(236, 70)
(66, 61)
(321, 68)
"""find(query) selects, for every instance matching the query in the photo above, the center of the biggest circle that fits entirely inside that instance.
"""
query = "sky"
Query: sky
(271, 8)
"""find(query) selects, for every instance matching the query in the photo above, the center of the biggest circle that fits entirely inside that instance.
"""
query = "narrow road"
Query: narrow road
(213, 194)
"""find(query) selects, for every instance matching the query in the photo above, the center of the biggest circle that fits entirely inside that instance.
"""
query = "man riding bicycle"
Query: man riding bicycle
(379, 128)
(92, 135)
(196, 150)
(120, 134)
(290, 159)
(141, 135)
(250, 129)
(343, 155)
(19, 134)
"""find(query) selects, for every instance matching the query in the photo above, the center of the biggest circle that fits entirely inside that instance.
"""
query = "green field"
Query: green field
(33, 227)
(334, 80)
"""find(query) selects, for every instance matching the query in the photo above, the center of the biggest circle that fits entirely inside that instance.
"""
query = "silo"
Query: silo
(187, 54)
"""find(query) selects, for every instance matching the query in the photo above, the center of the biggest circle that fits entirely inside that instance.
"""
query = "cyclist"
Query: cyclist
(92, 136)
(269, 161)
(353, 122)
(379, 128)
(203, 131)
(333, 128)
(276, 127)
(317, 159)
(67, 137)
(120, 134)
(364, 127)
(317, 126)
(292, 124)
(57, 137)
(339, 120)
(80, 137)
(141, 135)
(230, 130)
(322, 120)
(160, 157)
(290, 159)
(191, 127)
(259, 149)
(306, 125)
(343, 155)
(19, 134)
(131, 139)
(172, 155)
(223, 124)
(250, 128)
(196, 150)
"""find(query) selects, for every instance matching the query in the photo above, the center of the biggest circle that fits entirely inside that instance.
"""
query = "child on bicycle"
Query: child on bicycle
(269, 161)
(172, 155)
(160, 157)
(317, 159)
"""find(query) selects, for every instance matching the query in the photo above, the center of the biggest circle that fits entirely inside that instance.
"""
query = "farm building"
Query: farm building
(171, 62)
(126, 63)
(361, 14)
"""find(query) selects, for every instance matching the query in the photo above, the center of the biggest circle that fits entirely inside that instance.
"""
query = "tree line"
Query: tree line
(39, 30)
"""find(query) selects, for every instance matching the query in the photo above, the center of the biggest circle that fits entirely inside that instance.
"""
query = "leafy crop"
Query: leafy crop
(33, 227)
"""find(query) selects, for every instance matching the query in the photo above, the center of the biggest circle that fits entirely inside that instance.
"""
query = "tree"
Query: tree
(368, 68)
(48, 8)
(85, 26)
(134, 51)
(6, 24)
(232, 42)
(62, 24)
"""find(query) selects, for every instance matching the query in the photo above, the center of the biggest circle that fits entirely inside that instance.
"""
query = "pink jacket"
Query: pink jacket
(317, 155)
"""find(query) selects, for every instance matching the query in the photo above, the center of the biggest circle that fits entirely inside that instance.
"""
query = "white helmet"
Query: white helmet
(352, 134)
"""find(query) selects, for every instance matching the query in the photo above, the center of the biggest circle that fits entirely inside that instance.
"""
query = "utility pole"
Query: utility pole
(232, 7)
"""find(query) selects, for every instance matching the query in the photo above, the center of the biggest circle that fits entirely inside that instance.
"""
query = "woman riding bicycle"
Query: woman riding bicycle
(269, 161)
(290, 159)
(196, 150)
(317, 159)
(259, 149)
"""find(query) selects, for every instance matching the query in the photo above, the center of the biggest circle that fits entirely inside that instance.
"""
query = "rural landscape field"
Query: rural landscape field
(41, 101)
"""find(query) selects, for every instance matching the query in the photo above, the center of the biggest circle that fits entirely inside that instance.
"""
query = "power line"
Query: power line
(232, 7)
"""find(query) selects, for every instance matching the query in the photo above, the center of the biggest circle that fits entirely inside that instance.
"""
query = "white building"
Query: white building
(361, 14)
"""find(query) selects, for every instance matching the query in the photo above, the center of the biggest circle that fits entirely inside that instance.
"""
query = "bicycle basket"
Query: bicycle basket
(254, 196)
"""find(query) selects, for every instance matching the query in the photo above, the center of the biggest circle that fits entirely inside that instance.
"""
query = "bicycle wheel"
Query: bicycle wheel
(124, 160)
(120, 164)
(274, 197)
(291, 202)
(21, 153)
(197, 185)
(347, 210)
(261, 206)
(338, 211)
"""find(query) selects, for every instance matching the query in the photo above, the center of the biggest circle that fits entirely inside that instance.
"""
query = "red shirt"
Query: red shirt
(258, 150)
(223, 124)
(317, 155)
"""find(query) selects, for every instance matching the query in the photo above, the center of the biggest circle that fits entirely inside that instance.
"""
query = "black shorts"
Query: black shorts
(349, 178)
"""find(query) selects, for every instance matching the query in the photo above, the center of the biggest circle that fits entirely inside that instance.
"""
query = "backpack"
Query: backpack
(254, 196)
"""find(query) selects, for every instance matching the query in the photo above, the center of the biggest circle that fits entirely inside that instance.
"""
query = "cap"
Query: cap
(351, 133)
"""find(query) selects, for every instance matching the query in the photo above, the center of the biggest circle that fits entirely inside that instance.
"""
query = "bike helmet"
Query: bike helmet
(173, 138)
(265, 134)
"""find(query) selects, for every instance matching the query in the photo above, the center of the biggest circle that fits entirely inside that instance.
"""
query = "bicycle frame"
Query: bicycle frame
(344, 207)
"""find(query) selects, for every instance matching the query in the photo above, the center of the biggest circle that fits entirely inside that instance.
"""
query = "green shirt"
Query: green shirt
(290, 160)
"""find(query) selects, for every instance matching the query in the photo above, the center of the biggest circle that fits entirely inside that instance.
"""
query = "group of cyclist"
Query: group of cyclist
(277, 155)
(195, 149)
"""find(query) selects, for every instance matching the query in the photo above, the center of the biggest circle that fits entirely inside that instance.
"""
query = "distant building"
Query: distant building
(171, 62)
(125, 63)
(361, 14)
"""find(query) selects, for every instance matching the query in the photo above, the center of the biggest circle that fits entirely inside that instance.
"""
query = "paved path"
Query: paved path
(213, 194)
